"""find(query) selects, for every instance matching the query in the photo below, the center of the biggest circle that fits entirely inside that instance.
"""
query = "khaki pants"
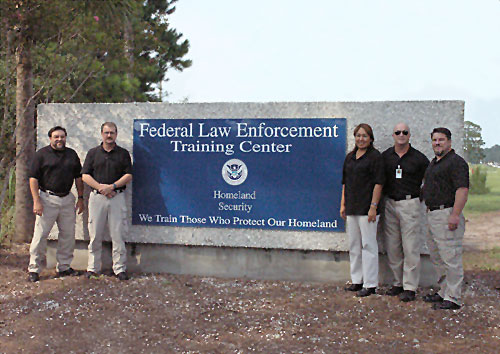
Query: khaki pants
(62, 211)
(403, 241)
(445, 248)
(110, 212)
(363, 250)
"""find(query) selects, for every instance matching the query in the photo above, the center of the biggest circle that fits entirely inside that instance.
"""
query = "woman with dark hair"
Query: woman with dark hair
(362, 180)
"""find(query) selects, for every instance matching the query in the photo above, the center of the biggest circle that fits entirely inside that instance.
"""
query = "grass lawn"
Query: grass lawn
(482, 203)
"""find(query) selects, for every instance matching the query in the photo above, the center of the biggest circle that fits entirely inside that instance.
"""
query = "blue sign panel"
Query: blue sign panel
(281, 174)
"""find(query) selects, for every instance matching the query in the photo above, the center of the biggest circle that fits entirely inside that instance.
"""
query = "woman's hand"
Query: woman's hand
(342, 212)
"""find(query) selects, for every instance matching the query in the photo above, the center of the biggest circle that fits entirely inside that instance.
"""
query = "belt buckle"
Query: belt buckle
(441, 207)
(408, 196)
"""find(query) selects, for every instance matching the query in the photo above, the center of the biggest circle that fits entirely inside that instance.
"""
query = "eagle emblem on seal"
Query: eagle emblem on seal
(234, 171)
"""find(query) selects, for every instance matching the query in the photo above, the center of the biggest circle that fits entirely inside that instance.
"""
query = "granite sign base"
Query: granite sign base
(228, 262)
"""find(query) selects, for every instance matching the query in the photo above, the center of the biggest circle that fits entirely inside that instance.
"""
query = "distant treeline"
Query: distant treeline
(492, 154)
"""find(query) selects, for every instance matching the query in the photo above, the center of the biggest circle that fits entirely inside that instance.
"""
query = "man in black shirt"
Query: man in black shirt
(404, 170)
(107, 170)
(445, 193)
(51, 177)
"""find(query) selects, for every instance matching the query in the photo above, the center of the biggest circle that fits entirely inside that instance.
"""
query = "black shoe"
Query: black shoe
(366, 292)
(407, 296)
(394, 291)
(433, 298)
(69, 271)
(33, 277)
(122, 276)
(354, 287)
(446, 305)
(90, 275)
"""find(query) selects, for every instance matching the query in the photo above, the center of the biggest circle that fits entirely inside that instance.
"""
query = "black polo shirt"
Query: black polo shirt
(55, 170)
(413, 165)
(443, 178)
(107, 167)
(360, 177)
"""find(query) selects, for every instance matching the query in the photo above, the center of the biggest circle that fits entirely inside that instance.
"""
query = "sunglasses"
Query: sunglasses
(405, 132)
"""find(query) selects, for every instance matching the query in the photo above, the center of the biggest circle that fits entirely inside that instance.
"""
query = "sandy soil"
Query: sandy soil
(168, 313)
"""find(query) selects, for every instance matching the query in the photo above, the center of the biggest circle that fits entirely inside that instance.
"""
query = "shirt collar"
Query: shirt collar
(449, 153)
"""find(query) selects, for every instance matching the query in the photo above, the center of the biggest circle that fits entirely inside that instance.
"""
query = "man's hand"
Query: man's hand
(453, 221)
(372, 214)
(106, 189)
(37, 207)
(111, 195)
(79, 206)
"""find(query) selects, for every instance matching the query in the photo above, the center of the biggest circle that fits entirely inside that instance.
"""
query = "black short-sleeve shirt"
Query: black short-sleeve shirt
(360, 177)
(443, 178)
(413, 165)
(107, 167)
(55, 170)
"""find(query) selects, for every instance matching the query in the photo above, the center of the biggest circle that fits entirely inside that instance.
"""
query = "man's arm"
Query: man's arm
(79, 189)
(461, 196)
(37, 202)
(109, 188)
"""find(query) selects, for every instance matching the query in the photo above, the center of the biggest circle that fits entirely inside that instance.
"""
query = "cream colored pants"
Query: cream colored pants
(445, 248)
(403, 241)
(363, 250)
(62, 211)
(112, 213)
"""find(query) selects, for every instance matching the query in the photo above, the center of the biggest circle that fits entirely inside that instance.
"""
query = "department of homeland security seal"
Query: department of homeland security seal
(234, 172)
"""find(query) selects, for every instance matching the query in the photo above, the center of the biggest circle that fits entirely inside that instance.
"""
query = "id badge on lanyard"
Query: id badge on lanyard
(399, 172)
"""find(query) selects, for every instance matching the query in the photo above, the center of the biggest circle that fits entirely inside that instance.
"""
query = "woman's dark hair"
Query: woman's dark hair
(368, 131)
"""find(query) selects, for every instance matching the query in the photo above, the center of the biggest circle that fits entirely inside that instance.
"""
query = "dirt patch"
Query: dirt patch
(169, 313)
(482, 232)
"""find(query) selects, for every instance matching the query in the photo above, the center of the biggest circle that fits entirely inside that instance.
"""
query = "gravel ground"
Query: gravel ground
(188, 314)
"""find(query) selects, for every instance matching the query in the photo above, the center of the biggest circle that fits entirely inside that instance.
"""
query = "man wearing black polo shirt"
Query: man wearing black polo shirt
(445, 192)
(404, 168)
(51, 177)
(107, 170)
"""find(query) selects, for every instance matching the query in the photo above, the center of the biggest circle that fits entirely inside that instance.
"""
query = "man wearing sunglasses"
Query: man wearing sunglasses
(445, 193)
(404, 170)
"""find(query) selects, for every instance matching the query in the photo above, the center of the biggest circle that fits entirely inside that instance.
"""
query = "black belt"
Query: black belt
(406, 197)
(437, 207)
(60, 195)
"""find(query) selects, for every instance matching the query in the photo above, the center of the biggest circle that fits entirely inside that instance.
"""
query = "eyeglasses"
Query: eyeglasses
(405, 132)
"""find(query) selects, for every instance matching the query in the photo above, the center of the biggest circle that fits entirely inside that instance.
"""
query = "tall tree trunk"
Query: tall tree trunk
(25, 143)
(128, 39)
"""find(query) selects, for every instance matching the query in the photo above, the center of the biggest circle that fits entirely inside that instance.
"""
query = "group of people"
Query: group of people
(107, 170)
(397, 174)
(402, 176)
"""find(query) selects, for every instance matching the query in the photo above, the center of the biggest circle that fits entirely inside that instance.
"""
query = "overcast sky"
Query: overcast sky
(340, 50)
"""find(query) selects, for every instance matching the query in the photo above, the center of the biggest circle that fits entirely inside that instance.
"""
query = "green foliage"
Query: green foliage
(473, 142)
(478, 181)
(482, 203)
(83, 51)
(7, 212)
